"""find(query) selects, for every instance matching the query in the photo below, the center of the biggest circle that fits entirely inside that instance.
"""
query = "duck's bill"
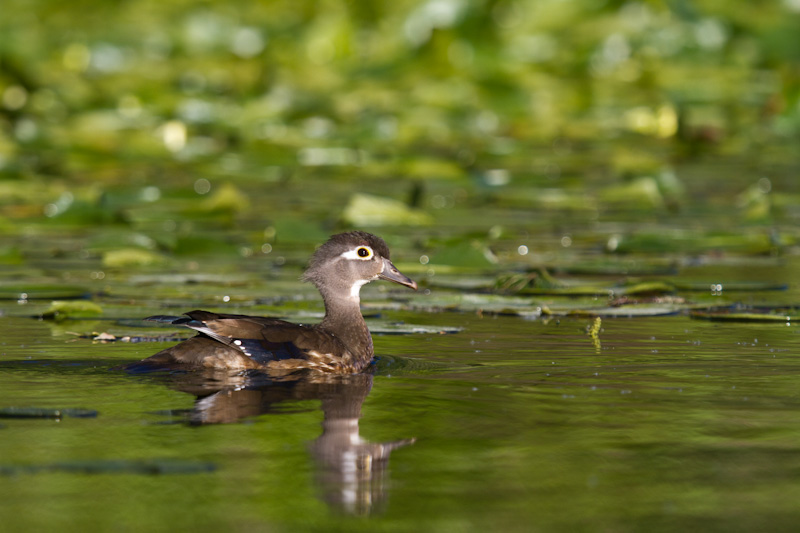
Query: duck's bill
(390, 273)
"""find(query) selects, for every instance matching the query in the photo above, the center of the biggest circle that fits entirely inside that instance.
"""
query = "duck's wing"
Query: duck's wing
(239, 341)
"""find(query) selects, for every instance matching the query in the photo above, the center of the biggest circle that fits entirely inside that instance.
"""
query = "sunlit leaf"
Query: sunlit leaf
(369, 210)
(226, 199)
(127, 257)
(61, 309)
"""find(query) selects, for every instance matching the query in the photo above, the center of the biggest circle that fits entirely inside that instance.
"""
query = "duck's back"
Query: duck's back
(240, 342)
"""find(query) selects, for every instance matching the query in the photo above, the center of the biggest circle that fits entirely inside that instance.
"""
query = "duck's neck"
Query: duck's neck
(344, 321)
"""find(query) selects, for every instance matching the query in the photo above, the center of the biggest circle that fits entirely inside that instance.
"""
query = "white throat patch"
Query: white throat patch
(356, 289)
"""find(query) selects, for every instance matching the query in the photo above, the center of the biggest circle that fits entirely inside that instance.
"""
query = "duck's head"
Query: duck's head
(348, 261)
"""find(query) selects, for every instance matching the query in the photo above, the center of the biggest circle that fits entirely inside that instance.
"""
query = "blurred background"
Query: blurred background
(544, 169)
(186, 127)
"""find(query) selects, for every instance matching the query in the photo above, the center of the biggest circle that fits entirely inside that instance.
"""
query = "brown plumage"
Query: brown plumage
(341, 343)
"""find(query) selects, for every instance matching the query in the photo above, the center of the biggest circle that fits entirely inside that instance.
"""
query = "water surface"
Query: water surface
(658, 423)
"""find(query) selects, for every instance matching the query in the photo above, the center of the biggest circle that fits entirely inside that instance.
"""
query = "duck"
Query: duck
(340, 344)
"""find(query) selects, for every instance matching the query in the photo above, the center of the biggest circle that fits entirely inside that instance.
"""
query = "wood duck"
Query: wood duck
(340, 344)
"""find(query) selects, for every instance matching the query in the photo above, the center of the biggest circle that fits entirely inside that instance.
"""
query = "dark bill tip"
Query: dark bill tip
(390, 273)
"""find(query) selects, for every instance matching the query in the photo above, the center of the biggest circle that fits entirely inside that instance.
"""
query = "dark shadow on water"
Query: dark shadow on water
(351, 472)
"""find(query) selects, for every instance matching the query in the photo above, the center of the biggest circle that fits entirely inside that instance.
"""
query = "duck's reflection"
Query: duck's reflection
(350, 470)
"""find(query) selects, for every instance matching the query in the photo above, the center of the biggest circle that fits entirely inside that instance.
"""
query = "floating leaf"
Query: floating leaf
(641, 193)
(61, 309)
(755, 203)
(540, 282)
(627, 311)
(42, 292)
(113, 238)
(426, 168)
(732, 286)
(479, 303)
(369, 210)
(128, 257)
(747, 315)
(227, 199)
(691, 242)
(548, 199)
(644, 288)
(518, 286)
(401, 328)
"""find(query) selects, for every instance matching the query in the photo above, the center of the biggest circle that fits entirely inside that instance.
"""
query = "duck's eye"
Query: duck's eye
(361, 253)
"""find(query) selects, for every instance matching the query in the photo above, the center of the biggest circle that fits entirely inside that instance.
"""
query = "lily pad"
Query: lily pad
(478, 303)
(692, 242)
(61, 309)
(641, 193)
(227, 199)
(541, 282)
(627, 311)
(401, 328)
(424, 168)
(588, 289)
(734, 286)
(125, 257)
(42, 292)
(549, 199)
(778, 315)
(369, 210)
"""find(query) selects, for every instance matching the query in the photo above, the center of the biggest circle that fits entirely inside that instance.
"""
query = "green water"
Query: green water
(664, 423)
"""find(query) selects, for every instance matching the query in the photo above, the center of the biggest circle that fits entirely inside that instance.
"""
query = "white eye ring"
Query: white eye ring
(362, 253)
